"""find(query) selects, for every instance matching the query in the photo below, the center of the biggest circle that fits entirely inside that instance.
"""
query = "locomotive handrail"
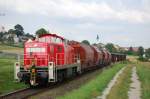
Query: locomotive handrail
(45, 58)
(32, 58)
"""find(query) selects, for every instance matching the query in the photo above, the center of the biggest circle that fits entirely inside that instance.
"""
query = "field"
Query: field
(10, 49)
(143, 70)
(7, 83)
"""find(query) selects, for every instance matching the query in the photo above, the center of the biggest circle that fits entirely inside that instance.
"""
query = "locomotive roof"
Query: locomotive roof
(53, 35)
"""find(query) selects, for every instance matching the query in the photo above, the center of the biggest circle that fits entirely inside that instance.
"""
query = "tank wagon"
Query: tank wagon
(117, 57)
(51, 58)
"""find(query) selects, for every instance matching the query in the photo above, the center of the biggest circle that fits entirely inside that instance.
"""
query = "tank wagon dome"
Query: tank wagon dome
(96, 48)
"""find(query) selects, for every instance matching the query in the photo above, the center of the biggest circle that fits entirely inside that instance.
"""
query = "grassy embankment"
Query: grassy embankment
(10, 49)
(7, 83)
(96, 86)
(143, 71)
(121, 87)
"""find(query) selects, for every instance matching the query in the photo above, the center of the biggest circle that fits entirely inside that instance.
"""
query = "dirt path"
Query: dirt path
(110, 85)
(134, 92)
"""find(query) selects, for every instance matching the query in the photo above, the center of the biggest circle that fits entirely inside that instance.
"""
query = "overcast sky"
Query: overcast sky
(123, 22)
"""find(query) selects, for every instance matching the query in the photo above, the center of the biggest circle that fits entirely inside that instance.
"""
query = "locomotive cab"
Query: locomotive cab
(35, 53)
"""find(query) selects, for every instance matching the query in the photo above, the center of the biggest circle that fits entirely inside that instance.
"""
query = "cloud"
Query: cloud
(75, 9)
(122, 22)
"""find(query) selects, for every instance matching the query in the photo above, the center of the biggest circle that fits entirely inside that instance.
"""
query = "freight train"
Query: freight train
(51, 58)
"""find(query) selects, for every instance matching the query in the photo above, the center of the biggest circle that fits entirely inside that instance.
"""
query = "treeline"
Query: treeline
(17, 35)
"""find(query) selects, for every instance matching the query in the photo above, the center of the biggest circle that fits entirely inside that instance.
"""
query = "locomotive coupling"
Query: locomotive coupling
(33, 75)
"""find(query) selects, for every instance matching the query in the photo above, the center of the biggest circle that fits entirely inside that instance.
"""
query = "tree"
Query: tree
(86, 42)
(130, 51)
(41, 32)
(11, 31)
(1, 36)
(140, 51)
(110, 47)
(10, 39)
(2, 30)
(29, 35)
(147, 53)
(19, 30)
(131, 48)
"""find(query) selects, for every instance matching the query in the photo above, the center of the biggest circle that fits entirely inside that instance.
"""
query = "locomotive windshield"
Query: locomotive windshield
(49, 39)
(35, 50)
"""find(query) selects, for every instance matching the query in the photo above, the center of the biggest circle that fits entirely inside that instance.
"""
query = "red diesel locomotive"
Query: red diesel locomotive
(51, 58)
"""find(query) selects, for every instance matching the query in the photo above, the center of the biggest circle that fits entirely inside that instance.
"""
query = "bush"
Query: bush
(143, 59)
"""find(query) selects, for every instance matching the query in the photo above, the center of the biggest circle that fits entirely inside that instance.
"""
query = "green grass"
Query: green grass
(10, 49)
(121, 87)
(4, 47)
(7, 83)
(143, 71)
(94, 87)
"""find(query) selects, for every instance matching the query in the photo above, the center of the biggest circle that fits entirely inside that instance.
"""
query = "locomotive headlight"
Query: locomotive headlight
(33, 70)
(20, 75)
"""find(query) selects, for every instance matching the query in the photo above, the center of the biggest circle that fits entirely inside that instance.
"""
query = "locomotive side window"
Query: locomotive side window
(58, 40)
(52, 49)
(42, 39)
(48, 40)
(59, 48)
(53, 39)
(35, 49)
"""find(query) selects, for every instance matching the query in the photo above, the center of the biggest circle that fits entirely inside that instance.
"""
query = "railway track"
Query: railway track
(19, 94)
(24, 93)
(28, 92)
(13, 94)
